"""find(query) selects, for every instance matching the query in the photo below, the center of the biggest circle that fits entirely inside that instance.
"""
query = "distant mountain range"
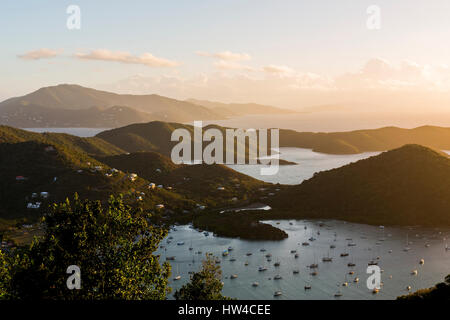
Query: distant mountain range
(405, 186)
(359, 141)
(240, 109)
(68, 105)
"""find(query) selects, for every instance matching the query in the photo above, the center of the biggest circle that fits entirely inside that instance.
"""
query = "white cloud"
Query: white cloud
(230, 65)
(378, 82)
(226, 55)
(278, 70)
(146, 59)
(42, 53)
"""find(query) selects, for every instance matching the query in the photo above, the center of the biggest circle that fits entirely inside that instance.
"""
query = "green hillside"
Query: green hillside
(156, 136)
(90, 145)
(406, 186)
(62, 172)
(212, 185)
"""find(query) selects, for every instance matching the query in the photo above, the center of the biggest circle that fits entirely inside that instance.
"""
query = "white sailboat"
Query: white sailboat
(407, 248)
(178, 277)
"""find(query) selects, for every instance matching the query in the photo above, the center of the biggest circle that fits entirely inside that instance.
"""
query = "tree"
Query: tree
(4, 275)
(205, 284)
(440, 292)
(113, 247)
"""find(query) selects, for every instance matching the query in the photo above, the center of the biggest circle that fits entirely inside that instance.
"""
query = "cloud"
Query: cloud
(378, 83)
(408, 75)
(230, 65)
(42, 53)
(278, 70)
(146, 59)
(226, 55)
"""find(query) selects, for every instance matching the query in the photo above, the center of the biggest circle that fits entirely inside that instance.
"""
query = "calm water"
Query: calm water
(397, 265)
(80, 132)
(308, 163)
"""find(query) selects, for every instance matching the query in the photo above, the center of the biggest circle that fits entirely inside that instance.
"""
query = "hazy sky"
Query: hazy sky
(289, 53)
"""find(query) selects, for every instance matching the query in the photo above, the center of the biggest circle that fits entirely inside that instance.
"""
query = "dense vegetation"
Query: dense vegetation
(205, 284)
(112, 246)
(61, 172)
(212, 185)
(440, 292)
(244, 225)
(405, 186)
(61, 164)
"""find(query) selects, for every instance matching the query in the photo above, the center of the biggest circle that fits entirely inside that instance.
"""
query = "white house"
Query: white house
(152, 186)
(44, 194)
(159, 206)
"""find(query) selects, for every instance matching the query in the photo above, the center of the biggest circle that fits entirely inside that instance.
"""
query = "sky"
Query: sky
(290, 53)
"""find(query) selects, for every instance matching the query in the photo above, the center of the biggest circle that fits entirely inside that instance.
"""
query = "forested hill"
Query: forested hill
(353, 142)
(406, 186)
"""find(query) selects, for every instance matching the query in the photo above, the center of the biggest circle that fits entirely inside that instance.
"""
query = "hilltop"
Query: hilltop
(54, 106)
(405, 186)
(90, 145)
(156, 136)
(70, 105)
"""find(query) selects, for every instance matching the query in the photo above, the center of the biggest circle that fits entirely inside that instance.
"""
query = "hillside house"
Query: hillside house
(152, 186)
(31, 205)
(44, 194)
(159, 206)
(132, 177)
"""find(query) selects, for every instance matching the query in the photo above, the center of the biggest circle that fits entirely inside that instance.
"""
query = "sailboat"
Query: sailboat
(407, 248)
(178, 277)
(338, 294)
(262, 268)
(327, 258)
